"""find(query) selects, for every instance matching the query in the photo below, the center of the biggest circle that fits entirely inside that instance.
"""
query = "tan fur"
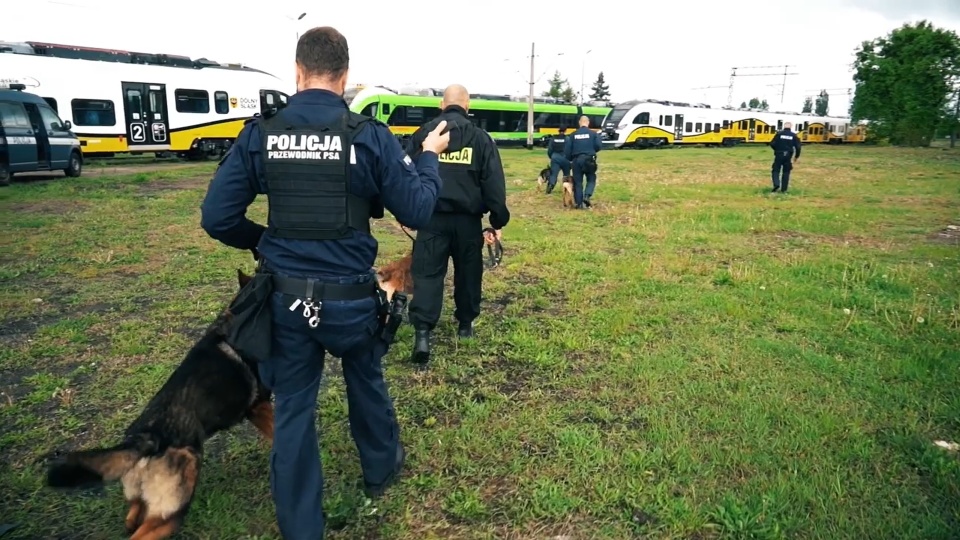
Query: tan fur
(568, 192)
(262, 419)
(158, 489)
(397, 276)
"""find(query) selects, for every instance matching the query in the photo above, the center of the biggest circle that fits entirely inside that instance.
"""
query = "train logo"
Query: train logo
(233, 103)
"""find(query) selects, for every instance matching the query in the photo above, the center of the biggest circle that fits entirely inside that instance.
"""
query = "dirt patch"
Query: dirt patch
(948, 235)
(55, 207)
(154, 187)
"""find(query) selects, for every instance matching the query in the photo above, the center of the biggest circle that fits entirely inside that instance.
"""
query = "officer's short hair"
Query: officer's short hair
(323, 52)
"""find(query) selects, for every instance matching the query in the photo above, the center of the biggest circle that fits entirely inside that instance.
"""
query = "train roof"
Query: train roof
(77, 52)
(634, 102)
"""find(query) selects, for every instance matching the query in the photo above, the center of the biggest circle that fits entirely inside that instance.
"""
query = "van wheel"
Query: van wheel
(4, 175)
(76, 165)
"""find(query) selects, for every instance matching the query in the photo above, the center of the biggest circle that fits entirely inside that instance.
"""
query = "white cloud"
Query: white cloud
(645, 49)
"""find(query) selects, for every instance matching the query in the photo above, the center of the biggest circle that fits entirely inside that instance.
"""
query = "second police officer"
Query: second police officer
(558, 162)
(581, 149)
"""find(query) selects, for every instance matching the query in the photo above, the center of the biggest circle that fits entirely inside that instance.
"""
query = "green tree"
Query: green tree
(557, 83)
(823, 104)
(764, 106)
(568, 94)
(807, 105)
(600, 91)
(743, 105)
(754, 103)
(904, 82)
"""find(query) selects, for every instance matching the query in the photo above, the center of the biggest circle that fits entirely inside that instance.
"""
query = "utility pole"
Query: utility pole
(733, 74)
(530, 99)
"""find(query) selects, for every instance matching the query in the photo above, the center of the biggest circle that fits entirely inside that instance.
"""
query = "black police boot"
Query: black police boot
(421, 347)
(586, 202)
(550, 188)
(465, 330)
(375, 490)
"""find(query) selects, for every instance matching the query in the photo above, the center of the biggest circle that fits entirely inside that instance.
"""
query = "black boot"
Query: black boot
(421, 347)
(465, 330)
(376, 490)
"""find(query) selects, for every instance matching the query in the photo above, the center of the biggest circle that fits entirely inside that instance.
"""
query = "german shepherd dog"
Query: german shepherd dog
(397, 276)
(158, 462)
(543, 179)
(568, 192)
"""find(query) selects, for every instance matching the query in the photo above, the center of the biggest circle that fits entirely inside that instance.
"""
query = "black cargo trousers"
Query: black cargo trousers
(457, 236)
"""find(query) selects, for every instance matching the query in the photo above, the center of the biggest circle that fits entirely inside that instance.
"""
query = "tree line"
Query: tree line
(560, 88)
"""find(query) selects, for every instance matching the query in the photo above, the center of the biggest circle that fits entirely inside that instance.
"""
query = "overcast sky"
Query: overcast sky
(645, 49)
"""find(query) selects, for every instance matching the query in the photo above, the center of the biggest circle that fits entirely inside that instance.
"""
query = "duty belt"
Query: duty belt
(315, 289)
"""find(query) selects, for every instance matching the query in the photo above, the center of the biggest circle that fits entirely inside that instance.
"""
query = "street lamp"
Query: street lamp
(583, 68)
(289, 18)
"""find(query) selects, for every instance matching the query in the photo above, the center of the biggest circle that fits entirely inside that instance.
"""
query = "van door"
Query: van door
(61, 140)
(40, 135)
(21, 145)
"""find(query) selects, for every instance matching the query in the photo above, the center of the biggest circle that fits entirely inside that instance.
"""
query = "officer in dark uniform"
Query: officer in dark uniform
(785, 144)
(326, 172)
(558, 161)
(581, 149)
(473, 183)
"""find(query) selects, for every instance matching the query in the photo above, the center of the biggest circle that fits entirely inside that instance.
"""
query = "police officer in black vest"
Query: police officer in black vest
(558, 161)
(581, 149)
(326, 172)
(473, 183)
(785, 144)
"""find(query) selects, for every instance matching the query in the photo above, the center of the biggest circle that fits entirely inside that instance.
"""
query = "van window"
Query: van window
(12, 115)
(51, 122)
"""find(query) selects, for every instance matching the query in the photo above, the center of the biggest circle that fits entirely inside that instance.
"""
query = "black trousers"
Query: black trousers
(456, 236)
(781, 163)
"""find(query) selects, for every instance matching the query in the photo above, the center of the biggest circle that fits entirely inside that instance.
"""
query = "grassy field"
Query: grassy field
(694, 358)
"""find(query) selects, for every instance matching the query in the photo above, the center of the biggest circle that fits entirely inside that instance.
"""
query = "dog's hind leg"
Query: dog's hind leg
(134, 516)
(168, 488)
(261, 416)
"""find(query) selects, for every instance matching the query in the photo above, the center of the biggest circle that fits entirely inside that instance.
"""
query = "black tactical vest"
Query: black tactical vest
(557, 143)
(307, 170)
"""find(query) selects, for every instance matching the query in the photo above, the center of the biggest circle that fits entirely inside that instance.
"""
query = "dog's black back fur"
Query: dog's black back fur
(211, 390)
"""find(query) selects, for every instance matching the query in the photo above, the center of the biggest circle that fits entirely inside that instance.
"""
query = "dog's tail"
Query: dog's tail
(91, 467)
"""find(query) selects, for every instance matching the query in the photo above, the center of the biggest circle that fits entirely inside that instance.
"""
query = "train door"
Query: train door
(678, 127)
(145, 111)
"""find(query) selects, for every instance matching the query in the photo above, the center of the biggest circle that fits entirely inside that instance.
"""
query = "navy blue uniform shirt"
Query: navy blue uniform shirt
(786, 142)
(581, 141)
(381, 169)
(556, 144)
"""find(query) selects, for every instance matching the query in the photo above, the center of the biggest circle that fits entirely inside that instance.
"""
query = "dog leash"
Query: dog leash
(494, 252)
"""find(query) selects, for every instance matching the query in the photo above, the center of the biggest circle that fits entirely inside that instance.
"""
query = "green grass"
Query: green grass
(694, 358)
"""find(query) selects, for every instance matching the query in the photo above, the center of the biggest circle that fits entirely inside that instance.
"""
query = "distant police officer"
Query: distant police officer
(785, 144)
(581, 149)
(558, 161)
(325, 171)
(473, 183)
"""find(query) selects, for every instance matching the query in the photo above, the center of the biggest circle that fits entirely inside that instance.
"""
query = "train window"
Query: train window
(716, 128)
(412, 116)
(385, 110)
(52, 103)
(689, 127)
(12, 115)
(221, 102)
(370, 110)
(668, 120)
(596, 121)
(661, 120)
(93, 112)
(699, 127)
(642, 118)
(193, 101)
(726, 124)
(753, 124)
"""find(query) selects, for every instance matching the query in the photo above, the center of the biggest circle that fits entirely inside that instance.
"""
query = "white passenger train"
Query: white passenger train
(122, 101)
(652, 123)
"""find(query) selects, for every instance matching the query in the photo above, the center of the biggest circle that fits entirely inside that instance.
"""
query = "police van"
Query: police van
(32, 136)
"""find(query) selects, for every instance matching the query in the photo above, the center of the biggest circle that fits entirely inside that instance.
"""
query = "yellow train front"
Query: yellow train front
(127, 102)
